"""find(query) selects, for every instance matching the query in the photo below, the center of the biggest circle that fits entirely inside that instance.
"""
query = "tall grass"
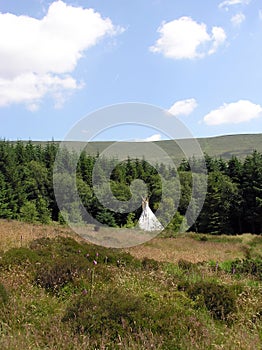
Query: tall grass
(53, 296)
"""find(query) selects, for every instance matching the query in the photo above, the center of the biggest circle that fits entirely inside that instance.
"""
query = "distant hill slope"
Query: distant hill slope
(227, 146)
(221, 146)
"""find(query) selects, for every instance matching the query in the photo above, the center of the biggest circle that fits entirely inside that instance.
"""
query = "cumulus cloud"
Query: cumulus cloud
(234, 113)
(218, 38)
(184, 107)
(237, 19)
(38, 56)
(29, 88)
(184, 38)
(155, 137)
(225, 4)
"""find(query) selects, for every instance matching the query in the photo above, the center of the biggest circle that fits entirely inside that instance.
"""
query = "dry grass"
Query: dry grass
(16, 234)
(187, 248)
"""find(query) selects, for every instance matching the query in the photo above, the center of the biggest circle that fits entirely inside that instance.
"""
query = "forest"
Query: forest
(233, 197)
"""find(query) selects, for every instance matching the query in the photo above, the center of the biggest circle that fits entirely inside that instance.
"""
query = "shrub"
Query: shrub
(150, 264)
(119, 313)
(68, 247)
(203, 238)
(18, 256)
(220, 300)
(186, 265)
(110, 312)
(248, 266)
(54, 277)
(3, 294)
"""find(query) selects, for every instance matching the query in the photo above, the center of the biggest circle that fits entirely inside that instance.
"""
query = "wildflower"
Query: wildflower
(87, 255)
(84, 292)
(95, 262)
(97, 254)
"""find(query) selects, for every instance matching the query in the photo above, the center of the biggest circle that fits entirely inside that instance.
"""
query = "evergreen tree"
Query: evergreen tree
(215, 216)
(252, 193)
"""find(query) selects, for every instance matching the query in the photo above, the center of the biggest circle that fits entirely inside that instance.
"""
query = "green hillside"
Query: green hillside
(221, 146)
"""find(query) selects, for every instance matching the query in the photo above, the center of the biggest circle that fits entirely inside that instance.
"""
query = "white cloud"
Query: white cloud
(237, 19)
(234, 113)
(155, 137)
(218, 38)
(184, 38)
(184, 107)
(227, 3)
(38, 55)
(29, 88)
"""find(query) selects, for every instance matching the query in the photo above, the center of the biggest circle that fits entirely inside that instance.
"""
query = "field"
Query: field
(192, 291)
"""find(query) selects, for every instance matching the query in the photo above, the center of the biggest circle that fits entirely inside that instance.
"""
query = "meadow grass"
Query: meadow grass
(169, 293)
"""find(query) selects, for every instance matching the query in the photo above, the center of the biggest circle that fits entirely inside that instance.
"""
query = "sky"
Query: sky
(63, 60)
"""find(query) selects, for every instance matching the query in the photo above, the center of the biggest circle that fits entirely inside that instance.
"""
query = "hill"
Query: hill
(220, 146)
(225, 146)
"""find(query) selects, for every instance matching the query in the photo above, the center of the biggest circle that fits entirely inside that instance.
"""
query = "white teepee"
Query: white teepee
(148, 221)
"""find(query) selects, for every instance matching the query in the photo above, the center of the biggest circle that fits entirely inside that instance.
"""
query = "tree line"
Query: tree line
(233, 197)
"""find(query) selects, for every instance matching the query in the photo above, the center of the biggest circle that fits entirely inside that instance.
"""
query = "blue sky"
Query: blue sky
(62, 60)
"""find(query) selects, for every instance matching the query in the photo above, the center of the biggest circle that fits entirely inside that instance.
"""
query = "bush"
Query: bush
(150, 264)
(248, 266)
(68, 247)
(203, 238)
(186, 265)
(110, 312)
(118, 313)
(56, 276)
(18, 256)
(220, 300)
(3, 295)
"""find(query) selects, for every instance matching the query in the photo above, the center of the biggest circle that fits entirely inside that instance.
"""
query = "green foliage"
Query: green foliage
(106, 217)
(220, 300)
(247, 266)
(233, 202)
(130, 223)
(220, 201)
(28, 212)
(43, 210)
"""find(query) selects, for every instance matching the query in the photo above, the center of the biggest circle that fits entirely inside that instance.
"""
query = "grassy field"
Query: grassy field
(57, 291)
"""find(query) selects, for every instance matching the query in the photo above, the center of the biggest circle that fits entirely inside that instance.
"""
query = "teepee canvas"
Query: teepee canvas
(148, 221)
